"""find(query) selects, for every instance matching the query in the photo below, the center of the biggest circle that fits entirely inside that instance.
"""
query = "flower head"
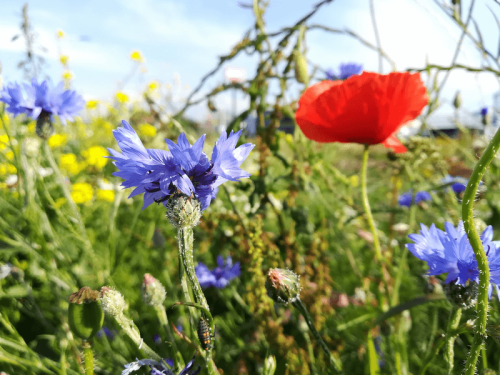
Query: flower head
(42, 99)
(345, 71)
(218, 277)
(163, 368)
(185, 168)
(405, 199)
(450, 252)
(367, 108)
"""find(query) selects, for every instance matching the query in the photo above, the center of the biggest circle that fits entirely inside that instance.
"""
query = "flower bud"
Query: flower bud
(270, 365)
(461, 296)
(300, 63)
(153, 293)
(44, 128)
(457, 102)
(85, 316)
(112, 302)
(183, 211)
(283, 286)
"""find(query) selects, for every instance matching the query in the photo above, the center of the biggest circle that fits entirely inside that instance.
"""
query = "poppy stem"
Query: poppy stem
(366, 206)
(477, 246)
(88, 357)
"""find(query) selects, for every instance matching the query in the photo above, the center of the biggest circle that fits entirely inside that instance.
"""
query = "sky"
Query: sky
(182, 40)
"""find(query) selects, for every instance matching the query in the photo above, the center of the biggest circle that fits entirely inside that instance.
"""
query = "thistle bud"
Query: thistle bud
(85, 316)
(283, 286)
(112, 302)
(461, 296)
(457, 102)
(183, 211)
(153, 293)
(44, 128)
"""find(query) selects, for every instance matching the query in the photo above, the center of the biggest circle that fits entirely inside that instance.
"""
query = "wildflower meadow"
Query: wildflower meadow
(326, 227)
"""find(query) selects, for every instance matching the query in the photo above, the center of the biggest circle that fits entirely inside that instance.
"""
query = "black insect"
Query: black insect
(204, 334)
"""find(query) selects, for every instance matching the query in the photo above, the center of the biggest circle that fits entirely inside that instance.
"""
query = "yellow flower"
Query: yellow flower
(137, 56)
(121, 97)
(5, 117)
(92, 104)
(82, 193)
(9, 155)
(60, 34)
(68, 75)
(3, 185)
(106, 195)
(6, 168)
(64, 59)
(4, 141)
(95, 156)
(32, 127)
(59, 202)
(69, 163)
(147, 130)
(354, 180)
(153, 86)
(57, 140)
(289, 139)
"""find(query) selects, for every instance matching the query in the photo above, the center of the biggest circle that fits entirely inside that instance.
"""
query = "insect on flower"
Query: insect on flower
(204, 334)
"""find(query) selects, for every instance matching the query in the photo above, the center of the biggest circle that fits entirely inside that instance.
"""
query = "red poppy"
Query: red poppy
(367, 108)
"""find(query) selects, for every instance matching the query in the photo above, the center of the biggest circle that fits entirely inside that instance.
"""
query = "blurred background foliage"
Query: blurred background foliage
(301, 210)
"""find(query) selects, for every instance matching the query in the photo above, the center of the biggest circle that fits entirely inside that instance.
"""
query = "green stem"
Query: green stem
(132, 331)
(302, 309)
(453, 322)
(428, 359)
(477, 246)
(185, 240)
(88, 357)
(176, 354)
(366, 206)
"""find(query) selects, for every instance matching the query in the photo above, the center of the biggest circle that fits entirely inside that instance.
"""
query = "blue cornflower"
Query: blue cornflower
(42, 100)
(450, 252)
(218, 277)
(458, 184)
(345, 71)
(105, 331)
(484, 111)
(163, 368)
(405, 199)
(185, 168)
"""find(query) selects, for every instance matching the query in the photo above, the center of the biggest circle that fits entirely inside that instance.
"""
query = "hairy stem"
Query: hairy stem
(302, 309)
(185, 240)
(477, 246)
(88, 357)
(453, 322)
(176, 354)
(132, 331)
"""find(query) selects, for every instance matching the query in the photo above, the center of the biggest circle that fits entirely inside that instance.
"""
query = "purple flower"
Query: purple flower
(345, 71)
(484, 111)
(186, 168)
(218, 277)
(163, 368)
(450, 252)
(42, 99)
(405, 199)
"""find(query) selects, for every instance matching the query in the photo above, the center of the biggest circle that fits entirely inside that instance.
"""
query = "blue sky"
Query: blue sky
(185, 38)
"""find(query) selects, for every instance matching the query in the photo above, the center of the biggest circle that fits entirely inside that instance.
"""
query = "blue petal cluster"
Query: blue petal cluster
(105, 331)
(450, 252)
(458, 184)
(220, 276)
(345, 71)
(163, 368)
(405, 200)
(41, 97)
(484, 111)
(158, 174)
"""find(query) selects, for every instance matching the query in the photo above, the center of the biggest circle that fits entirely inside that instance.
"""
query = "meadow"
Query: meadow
(325, 219)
